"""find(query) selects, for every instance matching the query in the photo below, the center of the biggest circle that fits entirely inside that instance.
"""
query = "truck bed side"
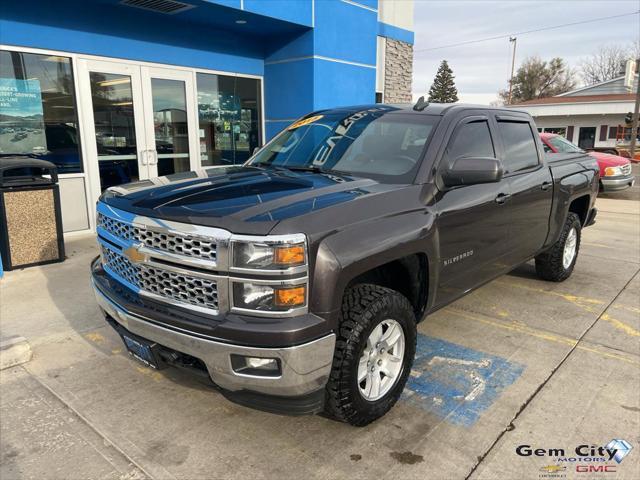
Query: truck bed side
(575, 184)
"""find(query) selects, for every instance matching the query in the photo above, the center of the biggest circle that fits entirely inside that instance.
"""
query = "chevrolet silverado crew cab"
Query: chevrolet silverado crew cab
(295, 282)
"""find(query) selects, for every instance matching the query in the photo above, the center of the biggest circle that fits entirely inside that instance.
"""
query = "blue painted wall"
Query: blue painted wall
(312, 54)
(122, 32)
(334, 64)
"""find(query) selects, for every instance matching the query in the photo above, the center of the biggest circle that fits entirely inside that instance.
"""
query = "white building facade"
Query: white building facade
(593, 117)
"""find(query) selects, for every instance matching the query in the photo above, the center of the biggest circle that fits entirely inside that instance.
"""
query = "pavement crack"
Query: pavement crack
(90, 425)
(510, 426)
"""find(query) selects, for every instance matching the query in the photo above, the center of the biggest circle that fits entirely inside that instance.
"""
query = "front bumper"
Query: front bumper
(305, 368)
(612, 184)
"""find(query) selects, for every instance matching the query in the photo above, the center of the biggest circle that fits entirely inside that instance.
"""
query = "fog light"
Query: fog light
(256, 366)
(290, 297)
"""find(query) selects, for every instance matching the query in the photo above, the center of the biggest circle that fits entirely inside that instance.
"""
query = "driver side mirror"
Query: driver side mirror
(473, 170)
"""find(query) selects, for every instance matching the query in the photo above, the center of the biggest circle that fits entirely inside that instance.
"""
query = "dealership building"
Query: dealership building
(113, 91)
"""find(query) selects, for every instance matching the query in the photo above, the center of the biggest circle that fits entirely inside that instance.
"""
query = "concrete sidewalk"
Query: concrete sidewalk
(518, 362)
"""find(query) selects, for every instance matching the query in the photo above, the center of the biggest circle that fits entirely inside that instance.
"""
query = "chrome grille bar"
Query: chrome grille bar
(180, 244)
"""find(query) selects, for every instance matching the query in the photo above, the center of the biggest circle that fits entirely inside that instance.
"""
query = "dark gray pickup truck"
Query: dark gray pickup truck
(295, 282)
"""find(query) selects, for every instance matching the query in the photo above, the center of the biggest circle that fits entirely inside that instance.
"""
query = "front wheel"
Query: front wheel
(374, 353)
(557, 263)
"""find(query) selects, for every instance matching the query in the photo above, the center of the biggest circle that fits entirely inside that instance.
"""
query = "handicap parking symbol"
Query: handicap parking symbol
(457, 383)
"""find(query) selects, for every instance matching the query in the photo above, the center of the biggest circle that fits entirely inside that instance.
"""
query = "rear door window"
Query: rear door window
(520, 152)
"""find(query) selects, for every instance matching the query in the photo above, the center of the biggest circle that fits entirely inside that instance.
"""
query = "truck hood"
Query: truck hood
(245, 200)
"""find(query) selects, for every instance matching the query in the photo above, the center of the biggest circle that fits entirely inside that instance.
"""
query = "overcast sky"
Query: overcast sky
(481, 69)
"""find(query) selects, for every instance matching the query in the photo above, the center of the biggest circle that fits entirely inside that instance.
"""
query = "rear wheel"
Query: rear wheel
(557, 263)
(374, 353)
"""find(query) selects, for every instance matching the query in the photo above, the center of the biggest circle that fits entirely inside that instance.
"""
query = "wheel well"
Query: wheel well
(408, 275)
(580, 207)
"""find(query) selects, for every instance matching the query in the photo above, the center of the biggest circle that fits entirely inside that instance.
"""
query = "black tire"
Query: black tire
(364, 307)
(549, 264)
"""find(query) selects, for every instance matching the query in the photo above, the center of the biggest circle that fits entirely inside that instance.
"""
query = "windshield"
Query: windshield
(562, 145)
(377, 143)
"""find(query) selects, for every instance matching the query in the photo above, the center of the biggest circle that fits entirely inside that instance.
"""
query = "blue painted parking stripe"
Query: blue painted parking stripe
(455, 382)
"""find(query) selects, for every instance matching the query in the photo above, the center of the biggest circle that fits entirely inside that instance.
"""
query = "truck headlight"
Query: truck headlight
(269, 298)
(612, 171)
(279, 253)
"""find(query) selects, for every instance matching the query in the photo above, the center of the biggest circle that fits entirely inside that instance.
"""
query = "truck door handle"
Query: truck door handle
(501, 198)
(545, 186)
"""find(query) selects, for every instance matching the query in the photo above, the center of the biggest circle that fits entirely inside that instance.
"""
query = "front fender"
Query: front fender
(346, 254)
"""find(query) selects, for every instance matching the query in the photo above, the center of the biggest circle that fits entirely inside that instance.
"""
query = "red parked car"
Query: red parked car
(615, 171)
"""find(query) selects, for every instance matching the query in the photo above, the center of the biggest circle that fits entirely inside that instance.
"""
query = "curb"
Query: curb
(14, 350)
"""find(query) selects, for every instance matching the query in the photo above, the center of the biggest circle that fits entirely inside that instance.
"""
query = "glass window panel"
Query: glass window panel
(170, 125)
(471, 140)
(520, 150)
(38, 109)
(229, 111)
(114, 120)
(247, 133)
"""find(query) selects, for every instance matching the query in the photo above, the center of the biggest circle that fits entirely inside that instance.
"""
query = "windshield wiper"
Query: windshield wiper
(304, 168)
(301, 168)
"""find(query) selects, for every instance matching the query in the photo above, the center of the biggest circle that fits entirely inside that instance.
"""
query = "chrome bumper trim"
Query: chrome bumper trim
(305, 368)
(617, 183)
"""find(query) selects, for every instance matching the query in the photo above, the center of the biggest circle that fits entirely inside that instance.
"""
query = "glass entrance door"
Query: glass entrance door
(111, 100)
(140, 122)
(170, 120)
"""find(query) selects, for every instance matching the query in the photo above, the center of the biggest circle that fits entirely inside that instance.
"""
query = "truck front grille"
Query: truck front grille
(626, 169)
(169, 285)
(188, 245)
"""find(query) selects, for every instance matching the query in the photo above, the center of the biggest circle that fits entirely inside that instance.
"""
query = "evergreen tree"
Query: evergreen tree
(443, 89)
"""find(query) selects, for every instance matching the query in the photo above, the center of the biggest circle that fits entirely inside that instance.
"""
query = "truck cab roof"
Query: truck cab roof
(439, 109)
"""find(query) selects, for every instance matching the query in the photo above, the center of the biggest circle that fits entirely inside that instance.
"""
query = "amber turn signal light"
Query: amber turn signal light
(293, 255)
(290, 297)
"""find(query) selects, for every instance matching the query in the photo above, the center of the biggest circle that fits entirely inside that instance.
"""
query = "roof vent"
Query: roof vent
(168, 7)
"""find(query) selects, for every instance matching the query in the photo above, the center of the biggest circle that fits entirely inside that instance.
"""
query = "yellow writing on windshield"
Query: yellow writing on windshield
(304, 121)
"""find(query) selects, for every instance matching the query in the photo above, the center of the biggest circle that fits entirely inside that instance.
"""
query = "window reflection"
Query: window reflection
(114, 120)
(38, 109)
(229, 114)
(170, 125)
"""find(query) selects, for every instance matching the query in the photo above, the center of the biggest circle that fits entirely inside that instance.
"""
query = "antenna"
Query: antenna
(420, 105)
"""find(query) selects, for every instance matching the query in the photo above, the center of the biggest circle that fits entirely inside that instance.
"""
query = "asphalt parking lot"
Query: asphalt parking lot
(517, 362)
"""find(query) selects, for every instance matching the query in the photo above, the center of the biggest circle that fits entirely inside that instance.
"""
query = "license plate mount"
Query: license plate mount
(142, 350)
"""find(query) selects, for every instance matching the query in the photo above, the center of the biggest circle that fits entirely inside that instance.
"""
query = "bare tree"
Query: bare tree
(537, 78)
(634, 49)
(605, 64)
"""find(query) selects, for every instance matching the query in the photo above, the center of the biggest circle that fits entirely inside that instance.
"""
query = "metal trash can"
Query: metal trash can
(30, 219)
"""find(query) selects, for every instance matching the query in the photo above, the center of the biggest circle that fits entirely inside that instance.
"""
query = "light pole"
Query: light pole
(634, 122)
(513, 40)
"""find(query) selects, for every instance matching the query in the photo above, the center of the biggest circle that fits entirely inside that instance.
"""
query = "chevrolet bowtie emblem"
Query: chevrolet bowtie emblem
(553, 468)
(134, 254)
